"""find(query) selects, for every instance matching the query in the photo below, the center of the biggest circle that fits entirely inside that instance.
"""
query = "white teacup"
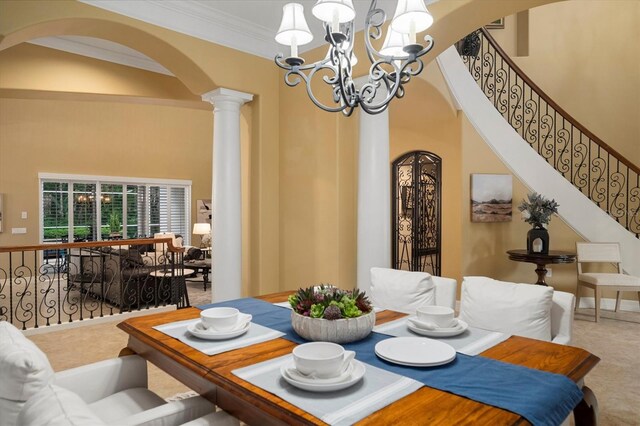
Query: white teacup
(223, 319)
(322, 360)
(440, 316)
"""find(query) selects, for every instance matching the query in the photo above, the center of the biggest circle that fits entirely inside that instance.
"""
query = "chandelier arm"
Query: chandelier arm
(292, 82)
(348, 90)
(373, 29)
(405, 71)
(348, 111)
(285, 66)
(308, 78)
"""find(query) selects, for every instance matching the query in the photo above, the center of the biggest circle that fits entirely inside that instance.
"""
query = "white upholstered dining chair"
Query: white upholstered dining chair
(111, 392)
(528, 310)
(405, 291)
(619, 282)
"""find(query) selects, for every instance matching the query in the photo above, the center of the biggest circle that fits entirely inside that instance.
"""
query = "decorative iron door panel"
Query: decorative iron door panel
(416, 212)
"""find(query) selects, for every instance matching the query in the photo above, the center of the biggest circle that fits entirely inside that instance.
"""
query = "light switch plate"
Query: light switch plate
(18, 230)
(24, 215)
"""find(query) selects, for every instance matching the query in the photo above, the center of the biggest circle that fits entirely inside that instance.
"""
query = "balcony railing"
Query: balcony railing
(597, 170)
(51, 284)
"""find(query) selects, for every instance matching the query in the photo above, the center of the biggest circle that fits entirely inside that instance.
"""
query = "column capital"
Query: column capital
(227, 96)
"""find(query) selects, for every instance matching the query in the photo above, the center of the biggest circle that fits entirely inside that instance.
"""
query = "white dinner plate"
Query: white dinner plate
(356, 375)
(197, 330)
(439, 332)
(415, 351)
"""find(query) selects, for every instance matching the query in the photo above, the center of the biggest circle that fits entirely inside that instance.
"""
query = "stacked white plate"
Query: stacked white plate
(201, 332)
(430, 330)
(351, 375)
(415, 351)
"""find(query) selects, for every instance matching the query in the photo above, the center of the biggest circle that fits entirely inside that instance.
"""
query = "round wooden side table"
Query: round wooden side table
(542, 260)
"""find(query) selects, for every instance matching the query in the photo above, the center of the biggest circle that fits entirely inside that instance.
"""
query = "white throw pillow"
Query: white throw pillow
(520, 309)
(56, 406)
(401, 291)
(24, 368)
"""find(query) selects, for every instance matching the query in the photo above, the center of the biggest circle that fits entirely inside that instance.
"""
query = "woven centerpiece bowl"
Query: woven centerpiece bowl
(344, 330)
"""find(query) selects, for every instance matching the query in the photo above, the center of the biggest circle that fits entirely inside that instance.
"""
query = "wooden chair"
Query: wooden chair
(603, 253)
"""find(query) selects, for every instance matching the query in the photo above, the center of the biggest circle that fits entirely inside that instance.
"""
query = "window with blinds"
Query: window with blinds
(103, 209)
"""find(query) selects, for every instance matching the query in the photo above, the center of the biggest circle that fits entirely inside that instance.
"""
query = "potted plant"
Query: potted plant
(537, 211)
(327, 313)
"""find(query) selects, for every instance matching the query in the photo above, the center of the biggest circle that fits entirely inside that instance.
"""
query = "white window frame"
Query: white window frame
(113, 180)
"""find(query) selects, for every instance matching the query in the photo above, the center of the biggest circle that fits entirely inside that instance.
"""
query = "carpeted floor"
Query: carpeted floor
(615, 380)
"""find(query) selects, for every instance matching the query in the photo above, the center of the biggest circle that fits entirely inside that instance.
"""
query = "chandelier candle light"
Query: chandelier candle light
(391, 68)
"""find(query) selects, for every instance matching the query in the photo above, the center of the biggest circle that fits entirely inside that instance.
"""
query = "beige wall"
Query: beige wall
(584, 54)
(486, 243)
(425, 120)
(104, 111)
(95, 138)
(317, 184)
(30, 67)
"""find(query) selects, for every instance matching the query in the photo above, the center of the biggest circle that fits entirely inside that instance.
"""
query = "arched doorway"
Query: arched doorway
(416, 212)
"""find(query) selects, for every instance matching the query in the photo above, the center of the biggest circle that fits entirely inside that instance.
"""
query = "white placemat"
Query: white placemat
(377, 389)
(256, 334)
(472, 342)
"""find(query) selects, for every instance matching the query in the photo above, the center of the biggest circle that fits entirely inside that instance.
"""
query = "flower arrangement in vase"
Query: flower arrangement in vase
(327, 313)
(538, 210)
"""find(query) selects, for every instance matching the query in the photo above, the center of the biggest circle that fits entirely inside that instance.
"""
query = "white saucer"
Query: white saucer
(320, 385)
(439, 332)
(415, 351)
(294, 374)
(197, 330)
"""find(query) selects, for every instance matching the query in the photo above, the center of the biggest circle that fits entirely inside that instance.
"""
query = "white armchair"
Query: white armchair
(122, 396)
(111, 392)
(525, 310)
(562, 317)
(445, 291)
(404, 291)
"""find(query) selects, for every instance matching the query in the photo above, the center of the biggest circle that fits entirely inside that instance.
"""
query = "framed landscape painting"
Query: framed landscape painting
(491, 198)
(497, 24)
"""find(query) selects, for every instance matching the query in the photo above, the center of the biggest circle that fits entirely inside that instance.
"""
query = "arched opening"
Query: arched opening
(416, 212)
(181, 65)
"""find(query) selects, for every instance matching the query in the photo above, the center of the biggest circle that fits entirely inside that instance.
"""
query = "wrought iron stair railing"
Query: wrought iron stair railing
(609, 180)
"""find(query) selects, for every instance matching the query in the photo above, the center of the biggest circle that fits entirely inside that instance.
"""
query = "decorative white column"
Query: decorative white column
(226, 226)
(374, 196)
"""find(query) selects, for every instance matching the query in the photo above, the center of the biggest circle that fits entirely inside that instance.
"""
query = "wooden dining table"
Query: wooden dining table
(212, 377)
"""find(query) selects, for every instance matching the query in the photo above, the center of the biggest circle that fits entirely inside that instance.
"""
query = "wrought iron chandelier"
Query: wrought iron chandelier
(391, 67)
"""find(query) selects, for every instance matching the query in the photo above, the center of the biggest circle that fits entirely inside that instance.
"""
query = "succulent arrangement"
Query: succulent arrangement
(330, 303)
(537, 210)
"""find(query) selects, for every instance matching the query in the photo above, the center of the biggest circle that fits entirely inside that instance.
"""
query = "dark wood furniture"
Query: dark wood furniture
(542, 260)
(204, 266)
(211, 376)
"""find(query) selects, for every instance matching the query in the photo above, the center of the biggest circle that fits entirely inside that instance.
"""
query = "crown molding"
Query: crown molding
(208, 20)
(110, 52)
(198, 19)
(99, 97)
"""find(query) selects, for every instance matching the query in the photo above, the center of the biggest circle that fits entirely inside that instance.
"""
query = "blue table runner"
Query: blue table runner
(541, 397)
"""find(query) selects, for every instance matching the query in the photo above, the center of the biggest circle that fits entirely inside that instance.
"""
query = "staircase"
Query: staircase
(598, 189)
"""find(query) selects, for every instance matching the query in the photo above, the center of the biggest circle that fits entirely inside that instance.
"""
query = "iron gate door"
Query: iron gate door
(416, 212)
